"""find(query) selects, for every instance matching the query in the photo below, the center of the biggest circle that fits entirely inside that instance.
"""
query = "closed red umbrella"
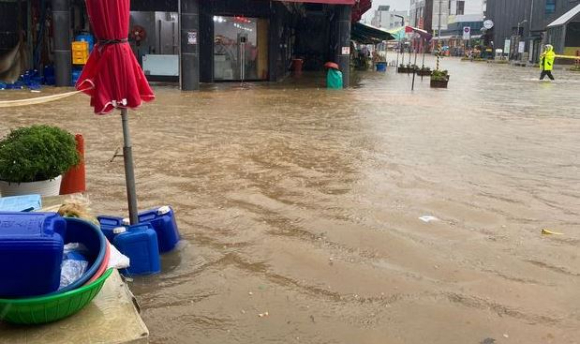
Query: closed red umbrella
(331, 65)
(113, 77)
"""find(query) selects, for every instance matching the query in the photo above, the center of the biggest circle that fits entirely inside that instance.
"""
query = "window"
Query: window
(460, 7)
(550, 7)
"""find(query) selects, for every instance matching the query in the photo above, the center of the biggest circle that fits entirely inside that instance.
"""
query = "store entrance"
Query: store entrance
(240, 49)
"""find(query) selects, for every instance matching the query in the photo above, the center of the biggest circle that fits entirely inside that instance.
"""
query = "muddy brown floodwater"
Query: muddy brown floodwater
(303, 205)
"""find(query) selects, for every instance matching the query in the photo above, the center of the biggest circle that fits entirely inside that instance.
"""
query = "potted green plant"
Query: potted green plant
(439, 79)
(33, 159)
(424, 71)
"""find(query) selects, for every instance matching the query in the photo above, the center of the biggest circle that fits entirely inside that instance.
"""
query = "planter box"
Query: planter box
(44, 188)
(424, 73)
(439, 83)
(402, 70)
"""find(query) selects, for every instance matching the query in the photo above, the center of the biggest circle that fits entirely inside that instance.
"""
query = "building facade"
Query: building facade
(559, 23)
(462, 7)
(389, 19)
(193, 41)
(524, 24)
(421, 14)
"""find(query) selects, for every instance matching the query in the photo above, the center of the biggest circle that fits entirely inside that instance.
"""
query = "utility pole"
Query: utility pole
(531, 48)
(439, 23)
(518, 56)
(399, 46)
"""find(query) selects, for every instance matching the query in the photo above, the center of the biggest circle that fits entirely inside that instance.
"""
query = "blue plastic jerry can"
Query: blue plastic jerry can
(139, 244)
(108, 225)
(163, 221)
(31, 248)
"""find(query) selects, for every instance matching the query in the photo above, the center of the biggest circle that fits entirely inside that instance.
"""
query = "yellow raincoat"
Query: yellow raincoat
(547, 58)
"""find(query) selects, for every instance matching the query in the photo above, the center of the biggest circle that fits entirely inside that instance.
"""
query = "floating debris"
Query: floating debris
(550, 232)
(428, 218)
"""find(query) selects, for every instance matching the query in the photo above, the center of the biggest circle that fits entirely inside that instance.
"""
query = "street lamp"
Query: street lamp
(520, 24)
(402, 19)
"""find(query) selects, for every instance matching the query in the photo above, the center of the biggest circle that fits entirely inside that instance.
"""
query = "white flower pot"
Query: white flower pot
(44, 188)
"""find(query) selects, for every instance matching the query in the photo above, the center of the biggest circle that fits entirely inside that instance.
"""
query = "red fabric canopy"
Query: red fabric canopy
(331, 2)
(361, 7)
(112, 75)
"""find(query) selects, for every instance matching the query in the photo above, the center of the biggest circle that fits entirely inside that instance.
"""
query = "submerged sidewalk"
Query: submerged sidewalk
(112, 318)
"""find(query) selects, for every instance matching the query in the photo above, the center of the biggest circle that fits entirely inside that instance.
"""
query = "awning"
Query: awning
(422, 33)
(359, 7)
(398, 33)
(367, 34)
(330, 2)
(566, 17)
(460, 37)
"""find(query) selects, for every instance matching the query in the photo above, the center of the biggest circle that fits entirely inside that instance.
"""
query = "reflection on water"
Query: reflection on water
(304, 203)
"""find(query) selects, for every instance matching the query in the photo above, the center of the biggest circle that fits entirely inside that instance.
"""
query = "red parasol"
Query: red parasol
(113, 78)
(112, 75)
(331, 65)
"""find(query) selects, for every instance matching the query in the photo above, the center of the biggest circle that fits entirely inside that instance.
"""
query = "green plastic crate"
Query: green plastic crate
(45, 309)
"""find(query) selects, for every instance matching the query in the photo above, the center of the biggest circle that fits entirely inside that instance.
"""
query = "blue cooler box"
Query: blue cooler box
(163, 221)
(31, 249)
(139, 243)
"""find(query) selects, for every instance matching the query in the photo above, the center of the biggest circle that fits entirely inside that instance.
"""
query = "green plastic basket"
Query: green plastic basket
(45, 309)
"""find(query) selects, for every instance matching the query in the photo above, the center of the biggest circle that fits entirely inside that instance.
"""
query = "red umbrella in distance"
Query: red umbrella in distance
(331, 65)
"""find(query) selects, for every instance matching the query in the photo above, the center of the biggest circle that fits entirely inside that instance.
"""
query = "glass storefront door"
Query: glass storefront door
(240, 48)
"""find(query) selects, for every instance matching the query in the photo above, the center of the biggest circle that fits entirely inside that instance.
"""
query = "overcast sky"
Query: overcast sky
(399, 5)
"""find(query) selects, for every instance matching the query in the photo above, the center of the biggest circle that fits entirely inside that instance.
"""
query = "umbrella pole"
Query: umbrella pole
(398, 51)
(129, 169)
(423, 48)
(414, 68)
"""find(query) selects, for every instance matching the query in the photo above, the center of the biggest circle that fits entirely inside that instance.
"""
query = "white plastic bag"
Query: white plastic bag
(74, 264)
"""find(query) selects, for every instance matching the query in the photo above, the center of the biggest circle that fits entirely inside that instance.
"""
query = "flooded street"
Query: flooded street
(300, 207)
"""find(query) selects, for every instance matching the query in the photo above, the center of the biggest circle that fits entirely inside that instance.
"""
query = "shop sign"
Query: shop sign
(466, 33)
(507, 46)
(346, 50)
(192, 37)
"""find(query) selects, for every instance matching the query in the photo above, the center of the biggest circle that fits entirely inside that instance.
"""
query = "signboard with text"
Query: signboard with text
(192, 37)
(507, 47)
(466, 33)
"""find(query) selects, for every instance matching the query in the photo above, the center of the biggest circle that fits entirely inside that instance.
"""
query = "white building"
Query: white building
(461, 7)
(387, 19)
(466, 11)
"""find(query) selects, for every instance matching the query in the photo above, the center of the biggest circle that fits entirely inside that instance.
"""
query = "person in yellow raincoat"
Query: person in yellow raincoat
(547, 62)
